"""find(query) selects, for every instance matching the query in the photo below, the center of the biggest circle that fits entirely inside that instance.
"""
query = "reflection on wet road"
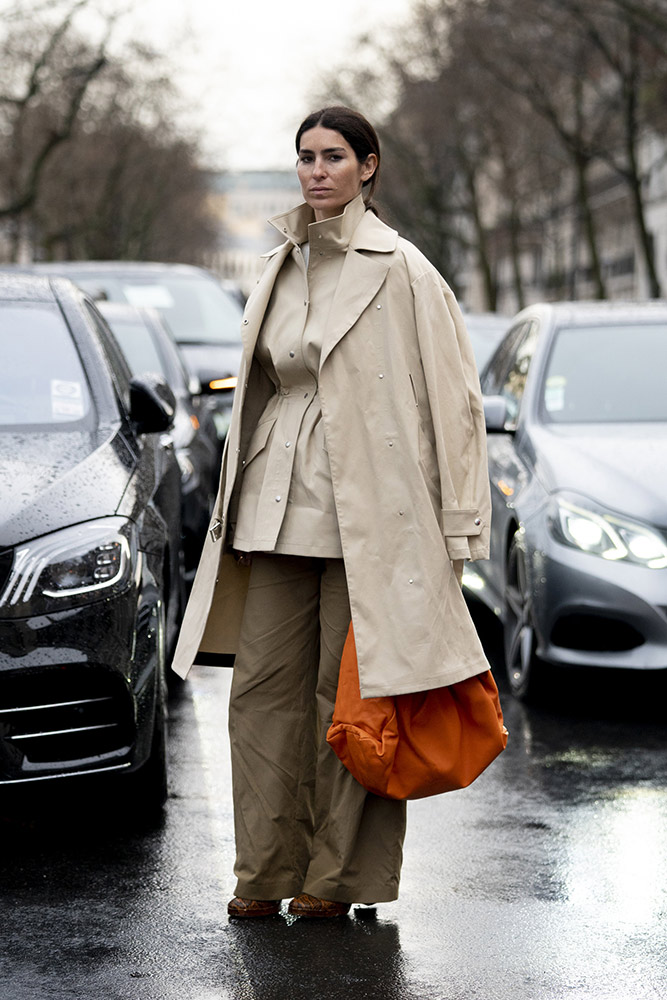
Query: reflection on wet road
(545, 880)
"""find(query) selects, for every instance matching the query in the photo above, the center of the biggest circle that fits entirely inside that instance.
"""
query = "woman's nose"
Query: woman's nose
(319, 168)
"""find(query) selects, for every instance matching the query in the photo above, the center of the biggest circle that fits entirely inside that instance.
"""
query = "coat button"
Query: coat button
(378, 307)
(478, 520)
(288, 444)
(291, 354)
(390, 443)
(245, 322)
(411, 580)
(278, 499)
(380, 376)
(401, 513)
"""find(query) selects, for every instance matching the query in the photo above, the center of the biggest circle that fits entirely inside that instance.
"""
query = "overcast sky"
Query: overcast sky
(247, 66)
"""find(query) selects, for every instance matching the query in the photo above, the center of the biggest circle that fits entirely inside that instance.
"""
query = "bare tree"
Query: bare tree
(45, 80)
(92, 163)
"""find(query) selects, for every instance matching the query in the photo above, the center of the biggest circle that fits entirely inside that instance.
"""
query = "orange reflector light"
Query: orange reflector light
(504, 488)
(194, 421)
(223, 383)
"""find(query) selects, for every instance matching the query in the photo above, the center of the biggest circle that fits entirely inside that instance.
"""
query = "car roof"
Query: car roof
(25, 286)
(121, 267)
(586, 312)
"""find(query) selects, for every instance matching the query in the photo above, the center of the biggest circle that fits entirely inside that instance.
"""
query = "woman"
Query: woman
(353, 486)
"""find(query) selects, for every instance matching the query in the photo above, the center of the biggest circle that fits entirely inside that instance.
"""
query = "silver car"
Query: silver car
(576, 406)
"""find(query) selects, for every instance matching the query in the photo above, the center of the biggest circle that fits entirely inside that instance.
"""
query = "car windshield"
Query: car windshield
(42, 381)
(197, 309)
(607, 374)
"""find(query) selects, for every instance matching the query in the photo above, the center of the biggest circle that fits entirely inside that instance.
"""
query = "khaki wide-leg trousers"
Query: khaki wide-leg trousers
(302, 822)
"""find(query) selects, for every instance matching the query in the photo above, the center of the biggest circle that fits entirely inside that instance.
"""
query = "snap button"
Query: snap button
(245, 322)
(478, 520)
(288, 444)
(390, 443)
(401, 513)
(380, 376)
(278, 499)
(411, 581)
(291, 354)
(378, 307)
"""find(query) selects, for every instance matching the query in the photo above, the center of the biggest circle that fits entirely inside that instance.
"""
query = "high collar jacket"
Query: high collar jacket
(404, 427)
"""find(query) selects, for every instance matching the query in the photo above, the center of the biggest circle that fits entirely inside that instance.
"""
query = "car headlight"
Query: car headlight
(87, 562)
(604, 534)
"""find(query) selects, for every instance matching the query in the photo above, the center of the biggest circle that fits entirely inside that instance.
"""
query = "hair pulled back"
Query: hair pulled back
(356, 130)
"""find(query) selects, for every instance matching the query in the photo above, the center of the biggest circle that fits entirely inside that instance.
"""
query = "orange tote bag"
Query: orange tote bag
(412, 745)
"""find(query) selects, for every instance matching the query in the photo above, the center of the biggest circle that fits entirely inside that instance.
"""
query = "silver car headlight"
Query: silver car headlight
(604, 534)
(74, 566)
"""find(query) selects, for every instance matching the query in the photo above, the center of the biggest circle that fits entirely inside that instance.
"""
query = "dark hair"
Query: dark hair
(356, 130)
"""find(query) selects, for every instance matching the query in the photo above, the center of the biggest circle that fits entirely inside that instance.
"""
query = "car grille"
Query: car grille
(595, 633)
(62, 720)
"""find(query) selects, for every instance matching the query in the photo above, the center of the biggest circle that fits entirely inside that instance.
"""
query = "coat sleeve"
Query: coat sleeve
(457, 412)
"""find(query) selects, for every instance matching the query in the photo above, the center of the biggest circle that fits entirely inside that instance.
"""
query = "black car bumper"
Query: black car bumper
(78, 688)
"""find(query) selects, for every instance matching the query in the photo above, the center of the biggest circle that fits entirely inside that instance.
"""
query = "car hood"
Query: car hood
(623, 467)
(50, 481)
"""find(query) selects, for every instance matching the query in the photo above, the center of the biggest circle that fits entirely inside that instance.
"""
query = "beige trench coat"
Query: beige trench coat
(405, 434)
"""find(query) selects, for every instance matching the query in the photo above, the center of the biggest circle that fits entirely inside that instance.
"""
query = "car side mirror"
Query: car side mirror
(152, 404)
(495, 414)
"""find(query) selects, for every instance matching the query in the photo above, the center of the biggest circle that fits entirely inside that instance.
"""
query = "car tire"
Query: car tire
(525, 672)
(147, 786)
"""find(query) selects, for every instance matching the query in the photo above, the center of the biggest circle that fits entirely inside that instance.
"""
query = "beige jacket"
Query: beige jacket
(405, 434)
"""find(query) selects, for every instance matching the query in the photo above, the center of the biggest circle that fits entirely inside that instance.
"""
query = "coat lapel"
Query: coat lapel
(360, 280)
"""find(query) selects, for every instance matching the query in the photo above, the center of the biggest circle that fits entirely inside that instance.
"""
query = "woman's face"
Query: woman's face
(329, 172)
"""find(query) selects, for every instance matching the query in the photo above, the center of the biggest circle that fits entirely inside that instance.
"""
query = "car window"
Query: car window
(514, 384)
(42, 380)
(606, 374)
(119, 368)
(495, 374)
(507, 372)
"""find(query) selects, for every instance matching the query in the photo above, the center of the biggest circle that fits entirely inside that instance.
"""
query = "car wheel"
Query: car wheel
(524, 670)
(148, 786)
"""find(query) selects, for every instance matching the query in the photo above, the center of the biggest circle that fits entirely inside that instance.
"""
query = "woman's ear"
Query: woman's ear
(369, 167)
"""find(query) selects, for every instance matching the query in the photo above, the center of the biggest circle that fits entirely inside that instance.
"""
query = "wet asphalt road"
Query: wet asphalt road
(546, 880)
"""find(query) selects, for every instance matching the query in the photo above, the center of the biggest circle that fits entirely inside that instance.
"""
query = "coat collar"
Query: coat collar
(361, 278)
(356, 227)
